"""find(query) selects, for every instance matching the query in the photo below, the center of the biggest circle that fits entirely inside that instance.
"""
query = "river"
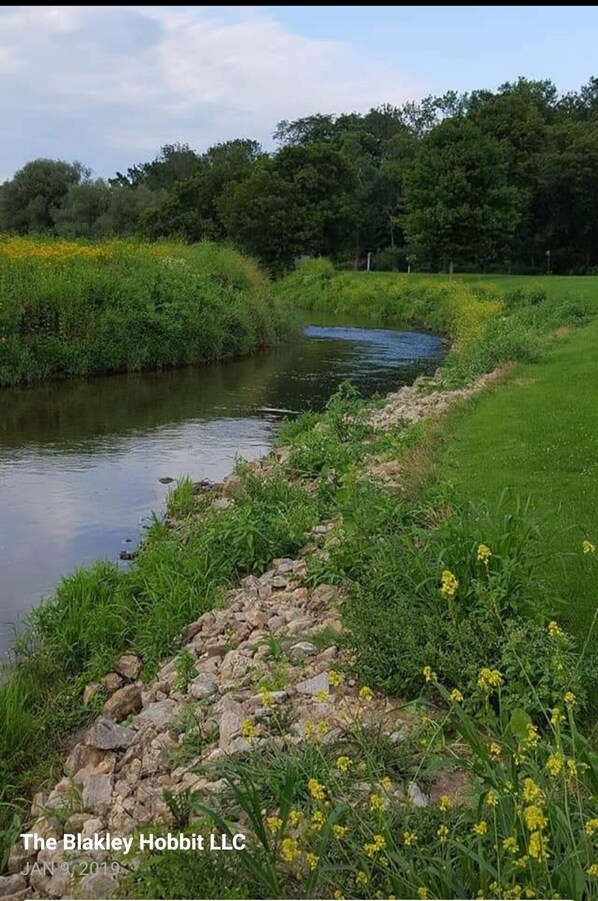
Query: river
(81, 460)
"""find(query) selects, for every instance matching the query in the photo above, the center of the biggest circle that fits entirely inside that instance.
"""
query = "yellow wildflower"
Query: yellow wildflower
(571, 768)
(489, 678)
(592, 871)
(429, 674)
(587, 547)
(569, 698)
(554, 764)
(557, 716)
(532, 736)
(266, 697)
(316, 790)
(362, 878)
(592, 826)
(339, 831)
(338, 895)
(385, 783)
(322, 727)
(309, 727)
(374, 847)
(494, 750)
(480, 828)
(484, 553)
(530, 891)
(409, 838)
(249, 729)
(534, 817)
(514, 892)
(443, 832)
(317, 820)
(521, 863)
(536, 846)
(448, 584)
(376, 802)
(445, 803)
(510, 845)
(455, 696)
(294, 818)
(366, 694)
(312, 860)
(322, 695)
(273, 824)
(530, 790)
(343, 764)
(492, 798)
(335, 678)
(554, 629)
(289, 849)
(422, 892)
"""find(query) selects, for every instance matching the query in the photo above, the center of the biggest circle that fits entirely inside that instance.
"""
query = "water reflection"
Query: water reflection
(80, 460)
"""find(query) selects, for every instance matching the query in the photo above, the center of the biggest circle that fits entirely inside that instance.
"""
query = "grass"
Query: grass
(75, 308)
(536, 435)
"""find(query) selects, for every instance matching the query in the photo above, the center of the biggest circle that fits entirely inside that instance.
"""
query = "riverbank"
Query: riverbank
(81, 308)
(442, 603)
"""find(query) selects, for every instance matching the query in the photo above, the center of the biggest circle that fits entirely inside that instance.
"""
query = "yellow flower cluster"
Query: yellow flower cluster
(429, 674)
(374, 847)
(480, 828)
(366, 694)
(534, 817)
(409, 838)
(445, 803)
(510, 845)
(249, 729)
(343, 764)
(312, 860)
(554, 629)
(489, 679)
(531, 791)
(554, 764)
(273, 824)
(289, 849)
(484, 554)
(51, 251)
(492, 798)
(335, 678)
(443, 832)
(448, 584)
(592, 826)
(316, 790)
(455, 696)
(376, 802)
(587, 547)
(536, 846)
(339, 832)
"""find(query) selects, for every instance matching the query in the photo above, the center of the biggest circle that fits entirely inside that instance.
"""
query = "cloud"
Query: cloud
(117, 82)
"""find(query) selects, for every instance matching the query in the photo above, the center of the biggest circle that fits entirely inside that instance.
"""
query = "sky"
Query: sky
(109, 85)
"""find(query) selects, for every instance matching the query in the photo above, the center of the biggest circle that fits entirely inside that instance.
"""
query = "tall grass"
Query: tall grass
(71, 308)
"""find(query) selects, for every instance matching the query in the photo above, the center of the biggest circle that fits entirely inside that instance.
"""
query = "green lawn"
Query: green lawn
(537, 434)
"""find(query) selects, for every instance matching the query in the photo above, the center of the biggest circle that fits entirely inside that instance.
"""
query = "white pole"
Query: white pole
(369, 260)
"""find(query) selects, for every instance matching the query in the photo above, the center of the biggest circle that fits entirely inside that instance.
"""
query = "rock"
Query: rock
(416, 796)
(129, 666)
(158, 714)
(90, 691)
(9, 885)
(106, 735)
(165, 480)
(49, 878)
(97, 885)
(279, 582)
(75, 824)
(111, 682)
(48, 827)
(232, 485)
(314, 685)
(97, 791)
(82, 756)
(92, 826)
(40, 799)
(18, 857)
(231, 722)
(221, 503)
(329, 653)
(302, 649)
(203, 686)
(238, 745)
(123, 702)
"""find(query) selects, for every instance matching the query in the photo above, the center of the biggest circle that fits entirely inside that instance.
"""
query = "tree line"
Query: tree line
(489, 180)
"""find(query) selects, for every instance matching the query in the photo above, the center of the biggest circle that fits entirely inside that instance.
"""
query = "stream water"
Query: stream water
(80, 460)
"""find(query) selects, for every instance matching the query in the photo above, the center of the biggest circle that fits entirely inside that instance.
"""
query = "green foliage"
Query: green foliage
(73, 308)
(28, 200)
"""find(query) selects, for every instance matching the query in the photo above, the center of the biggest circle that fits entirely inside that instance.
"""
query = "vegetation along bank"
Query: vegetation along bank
(71, 308)
(400, 704)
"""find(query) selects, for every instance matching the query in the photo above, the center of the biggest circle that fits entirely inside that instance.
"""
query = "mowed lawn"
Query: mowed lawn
(537, 434)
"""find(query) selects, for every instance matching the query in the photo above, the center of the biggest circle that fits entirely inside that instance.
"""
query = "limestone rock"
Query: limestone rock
(90, 691)
(10, 885)
(416, 795)
(106, 735)
(97, 791)
(97, 885)
(129, 666)
(314, 685)
(112, 682)
(158, 714)
(302, 649)
(203, 686)
(123, 702)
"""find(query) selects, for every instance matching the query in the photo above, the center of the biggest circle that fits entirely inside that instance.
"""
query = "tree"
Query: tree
(301, 201)
(459, 206)
(190, 209)
(27, 201)
(173, 163)
(80, 208)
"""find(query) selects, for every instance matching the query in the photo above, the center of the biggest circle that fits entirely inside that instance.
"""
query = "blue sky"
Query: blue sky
(109, 85)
